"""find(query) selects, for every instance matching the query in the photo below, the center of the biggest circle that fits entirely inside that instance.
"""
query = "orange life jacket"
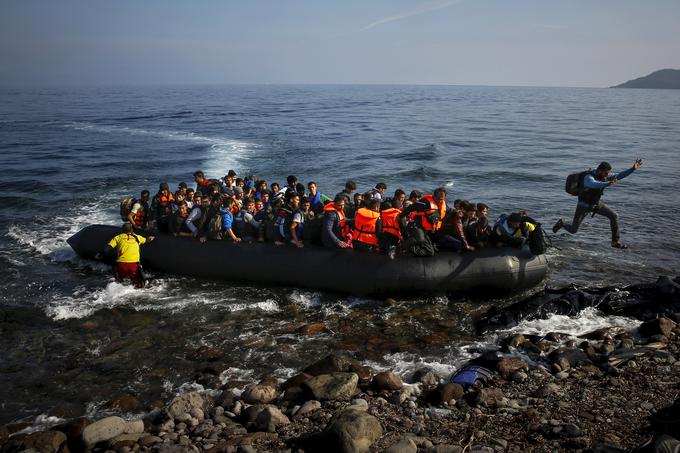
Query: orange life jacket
(331, 207)
(140, 217)
(390, 223)
(436, 213)
(364, 226)
(165, 200)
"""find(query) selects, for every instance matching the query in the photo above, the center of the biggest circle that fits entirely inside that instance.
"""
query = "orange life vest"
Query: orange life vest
(331, 207)
(390, 223)
(165, 200)
(140, 216)
(434, 211)
(364, 226)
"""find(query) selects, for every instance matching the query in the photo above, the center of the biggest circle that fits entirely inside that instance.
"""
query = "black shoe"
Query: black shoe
(558, 226)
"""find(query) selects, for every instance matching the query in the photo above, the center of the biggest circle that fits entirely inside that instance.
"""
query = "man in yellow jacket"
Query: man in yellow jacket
(126, 246)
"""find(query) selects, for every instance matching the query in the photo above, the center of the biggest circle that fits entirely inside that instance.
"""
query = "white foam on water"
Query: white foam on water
(267, 306)
(42, 422)
(224, 153)
(235, 374)
(588, 320)
(306, 299)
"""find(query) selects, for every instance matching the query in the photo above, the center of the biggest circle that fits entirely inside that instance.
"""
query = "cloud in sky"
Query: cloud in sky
(424, 8)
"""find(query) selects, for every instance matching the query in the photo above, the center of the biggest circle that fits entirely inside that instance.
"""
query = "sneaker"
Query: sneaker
(557, 226)
(392, 252)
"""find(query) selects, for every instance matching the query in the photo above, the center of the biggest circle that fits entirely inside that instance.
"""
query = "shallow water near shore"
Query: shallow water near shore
(69, 333)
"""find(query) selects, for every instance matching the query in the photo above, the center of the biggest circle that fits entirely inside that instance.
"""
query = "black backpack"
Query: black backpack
(574, 184)
(537, 241)
(418, 243)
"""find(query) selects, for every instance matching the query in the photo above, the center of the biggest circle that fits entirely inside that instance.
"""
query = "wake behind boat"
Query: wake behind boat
(346, 271)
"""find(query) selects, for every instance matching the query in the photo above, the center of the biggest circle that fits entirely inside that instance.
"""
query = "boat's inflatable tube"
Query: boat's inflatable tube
(347, 271)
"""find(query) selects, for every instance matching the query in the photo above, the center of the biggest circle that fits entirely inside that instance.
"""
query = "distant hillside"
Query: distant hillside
(664, 78)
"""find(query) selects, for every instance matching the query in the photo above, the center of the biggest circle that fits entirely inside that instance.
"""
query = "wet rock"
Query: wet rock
(296, 381)
(426, 376)
(125, 403)
(488, 397)
(508, 365)
(226, 399)
(260, 394)
(352, 431)
(197, 413)
(569, 358)
(331, 364)
(519, 376)
(571, 430)
(103, 430)
(387, 380)
(404, 445)
(134, 426)
(446, 392)
(446, 448)
(148, 441)
(312, 329)
(666, 444)
(389, 302)
(517, 340)
(335, 386)
(125, 439)
(359, 404)
(659, 326)
(365, 373)
(44, 442)
(308, 408)
(182, 404)
(270, 418)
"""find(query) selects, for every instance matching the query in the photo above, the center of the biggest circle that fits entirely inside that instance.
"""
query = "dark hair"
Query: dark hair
(415, 194)
(231, 173)
(457, 201)
(604, 166)
(275, 184)
(358, 194)
(467, 206)
(438, 190)
(381, 185)
(190, 189)
(182, 203)
(199, 174)
(238, 180)
(481, 206)
(127, 227)
(351, 185)
(290, 194)
(515, 217)
(310, 183)
(218, 198)
(183, 185)
(339, 197)
(398, 193)
(396, 203)
(372, 203)
(145, 192)
(291, 179)
(304, 200)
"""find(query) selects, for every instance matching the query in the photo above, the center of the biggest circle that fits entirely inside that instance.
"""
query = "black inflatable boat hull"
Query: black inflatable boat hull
(347, 271)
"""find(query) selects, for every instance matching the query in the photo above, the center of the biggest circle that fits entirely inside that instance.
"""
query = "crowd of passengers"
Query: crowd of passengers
(244, 209)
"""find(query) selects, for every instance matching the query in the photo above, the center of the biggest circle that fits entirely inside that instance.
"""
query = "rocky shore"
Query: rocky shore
(605, 391)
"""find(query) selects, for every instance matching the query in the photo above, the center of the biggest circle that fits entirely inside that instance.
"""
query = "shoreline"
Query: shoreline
(555, 392)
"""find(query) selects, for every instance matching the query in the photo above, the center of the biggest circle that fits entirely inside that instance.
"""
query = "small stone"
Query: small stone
(312, 329)
(359, 404)
(197, 413)
(307, 408)
(147, 441)
(270, 418)
(571, 430)
(335, 386)
(519, 376)
(183, 404)
(517, 340)
(405, 445)
(497, 441)
(647, 406)
(426, 376)
(295, 381)
(447, 392)
(488, 397)
(508, 365)
(547, 390)
(659, 326)
(352, 431)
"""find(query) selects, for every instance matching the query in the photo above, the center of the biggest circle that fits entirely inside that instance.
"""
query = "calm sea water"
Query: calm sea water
(67, 157)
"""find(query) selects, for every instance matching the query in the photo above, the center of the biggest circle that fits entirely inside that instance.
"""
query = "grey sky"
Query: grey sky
(473, 42)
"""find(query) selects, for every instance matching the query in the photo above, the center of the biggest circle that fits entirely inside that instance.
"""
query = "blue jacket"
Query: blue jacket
(592, 184)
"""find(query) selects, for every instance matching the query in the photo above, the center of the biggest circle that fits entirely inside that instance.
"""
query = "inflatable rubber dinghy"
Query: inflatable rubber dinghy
(347, 271)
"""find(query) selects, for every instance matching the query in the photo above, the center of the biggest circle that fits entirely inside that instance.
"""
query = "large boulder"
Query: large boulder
(182, 404)
(260, 394)
(387, 380)
(103, 430)
(659, 326)
(351, 431)
(334, 386)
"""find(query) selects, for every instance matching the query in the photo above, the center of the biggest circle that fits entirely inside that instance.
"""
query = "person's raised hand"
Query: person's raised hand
(637, 164)
(613, 181)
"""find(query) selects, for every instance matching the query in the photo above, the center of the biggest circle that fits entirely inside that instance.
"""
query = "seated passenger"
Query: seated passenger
(210, 224)
(334, 223)
(350, 186)
(357, 203)
(246, 225)
(202, 183)
(139, 214)
(367, 227)
(413, 197)
(306, 208)
(428, 214)
(227, 217)
(513, 229)
(462, 219)
(297, 222)
(391, 229)
(293, 184)
(161, 207)
(478, 231)
(193, 220)
(190, 197)
(400, 196)
(182, 188)
(238, 200)
(178, 226)
(316, 198)
(284, 218)
(377, 192)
